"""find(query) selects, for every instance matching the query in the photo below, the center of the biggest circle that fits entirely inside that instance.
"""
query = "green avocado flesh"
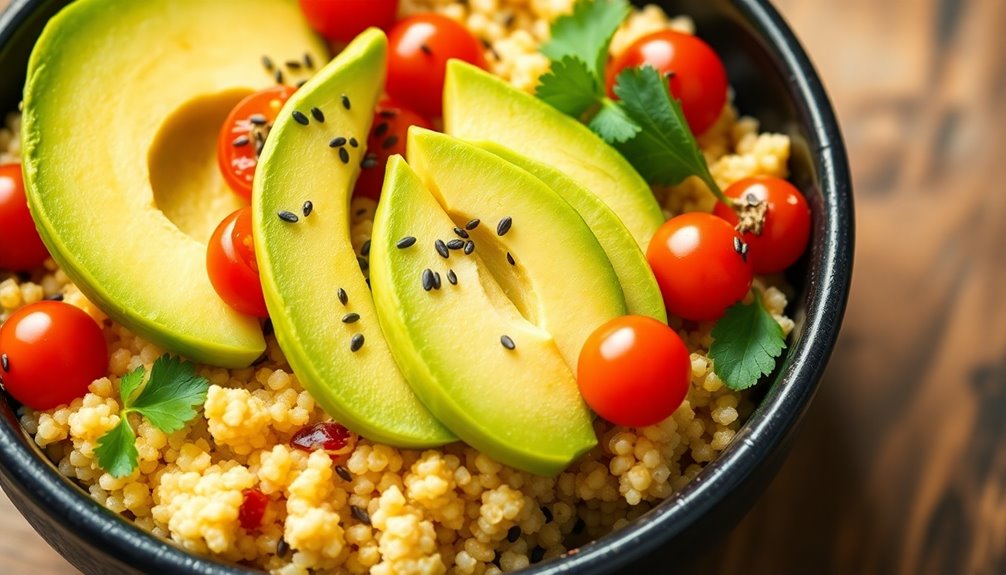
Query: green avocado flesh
(520, 406)
(481, 107)
(642, 294)
(122, 108)
(304, 264)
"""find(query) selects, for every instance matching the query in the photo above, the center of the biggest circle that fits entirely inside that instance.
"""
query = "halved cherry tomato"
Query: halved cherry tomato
(697, 76)
(787, 222)
(342, 20)
(230, 262)
(634, 371)
(244, 133)
(388, 136)
(20, 247)
(701, 265)
(418, 50)
(51, 352)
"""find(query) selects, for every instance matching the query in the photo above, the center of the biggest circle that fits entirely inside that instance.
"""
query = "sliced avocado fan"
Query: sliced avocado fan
(317, 295)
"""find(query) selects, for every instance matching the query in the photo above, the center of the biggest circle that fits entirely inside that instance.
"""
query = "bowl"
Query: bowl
(774, 82)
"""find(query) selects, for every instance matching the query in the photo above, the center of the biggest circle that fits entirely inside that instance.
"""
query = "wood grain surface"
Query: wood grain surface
(897, 468)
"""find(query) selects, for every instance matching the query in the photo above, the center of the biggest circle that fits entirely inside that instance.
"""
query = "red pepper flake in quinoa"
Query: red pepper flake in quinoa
(252, 509)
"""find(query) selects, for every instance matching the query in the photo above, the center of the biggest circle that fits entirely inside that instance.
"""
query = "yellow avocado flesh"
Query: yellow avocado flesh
(642, 294)
(304, 264)
(481, 107)
(521, 406)
(561, 278)
(116, 105)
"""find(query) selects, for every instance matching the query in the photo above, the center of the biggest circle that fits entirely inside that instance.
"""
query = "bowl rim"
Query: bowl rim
(796, 382)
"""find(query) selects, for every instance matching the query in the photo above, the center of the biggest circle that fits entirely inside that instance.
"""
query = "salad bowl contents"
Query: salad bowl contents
(393, 287)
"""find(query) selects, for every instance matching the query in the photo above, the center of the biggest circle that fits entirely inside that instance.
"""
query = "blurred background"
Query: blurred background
(897, 467)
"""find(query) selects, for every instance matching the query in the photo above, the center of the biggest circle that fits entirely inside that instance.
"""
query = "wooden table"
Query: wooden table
(898, 466)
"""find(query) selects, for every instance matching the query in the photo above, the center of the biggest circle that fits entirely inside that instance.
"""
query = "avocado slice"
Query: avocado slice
(520, 406)
(642, 294)
(304, 264)
(481, 107)
(119, 94)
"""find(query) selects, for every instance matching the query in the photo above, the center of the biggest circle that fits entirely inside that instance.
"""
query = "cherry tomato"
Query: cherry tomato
(252, 509)
(697, 76)
(700, 265)
(787, 222)
(388, 136)
(20, 247)
(418, 50)
(634, 371)
(243, 134)
(342, 20)
(230, 262)
(52, 351)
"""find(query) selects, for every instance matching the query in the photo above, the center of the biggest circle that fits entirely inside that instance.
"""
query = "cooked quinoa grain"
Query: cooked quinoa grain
(379, 509)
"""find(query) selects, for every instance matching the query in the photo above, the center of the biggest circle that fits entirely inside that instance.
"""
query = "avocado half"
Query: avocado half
(122, 107)
(334, 344)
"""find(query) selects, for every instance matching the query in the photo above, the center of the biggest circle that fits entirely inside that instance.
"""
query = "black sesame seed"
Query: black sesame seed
(279, 76)
(300, 118)
(282, 548)
(442, 249)
(317, 114)
(461, 233)
(455, 244)
(469, 247)
(267, 64)
(337, 142)
(288, 217)
(508, 343)
(344, 155)
(437, 281)
(504, 226)
(241, 141)
(258, 119)
(267, 327)
(509, 258)
(365, 248)
(472, 224)
(5, 362)
(428, 279)
(356, 342)
(343, 296)
(389, 142)
(343, 473)
(537, 554)
(308, 61)
(513, 534)
(426, 49)
(354, 143)
(364, 264)
(381, 129)
(361, 514)
(452, 277)
(547, 513)
(308, 208)
(351, 318)
(406, 242)
(293, 64)
(346, 103)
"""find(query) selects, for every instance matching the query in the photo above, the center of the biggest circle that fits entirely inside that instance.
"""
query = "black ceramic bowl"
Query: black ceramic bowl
(775, 82)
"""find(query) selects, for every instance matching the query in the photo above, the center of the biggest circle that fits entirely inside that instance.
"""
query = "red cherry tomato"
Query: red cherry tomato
(418, 50)
(700, 266)
(230, 262)
(52, 351)
(342, 20)
(787, 222)
(252, 509)
(243, 134)
(20, 247)
(634, 371)
(697, 76)
(388, 136)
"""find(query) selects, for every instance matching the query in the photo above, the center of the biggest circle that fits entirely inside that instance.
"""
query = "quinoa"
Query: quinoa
(384, 510)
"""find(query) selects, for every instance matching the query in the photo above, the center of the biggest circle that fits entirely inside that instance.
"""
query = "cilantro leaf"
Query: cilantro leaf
(586, 33)
(665, 151)
(116, 449)
(168, 398)
(569, 87)
(129, 383)
(747, 341)
(613, 124)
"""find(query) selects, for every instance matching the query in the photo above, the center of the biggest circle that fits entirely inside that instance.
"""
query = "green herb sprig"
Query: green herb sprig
(167, 401)
(747, 340)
